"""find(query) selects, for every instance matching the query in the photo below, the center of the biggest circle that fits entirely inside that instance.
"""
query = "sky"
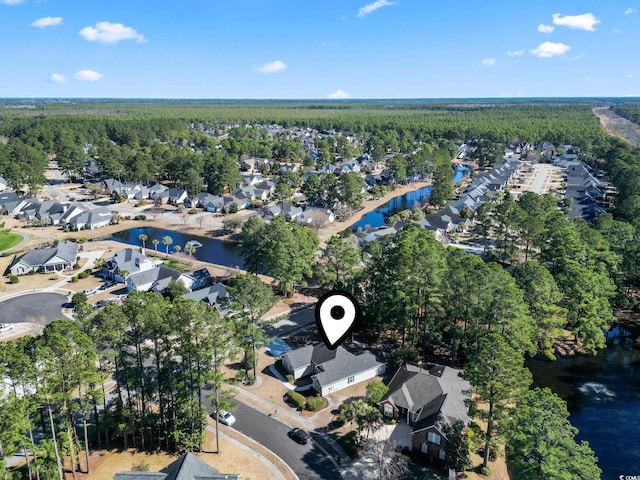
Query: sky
(321, 49)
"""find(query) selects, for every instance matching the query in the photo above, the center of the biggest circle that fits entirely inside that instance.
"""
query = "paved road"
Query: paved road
(34, 307)
(307, 461)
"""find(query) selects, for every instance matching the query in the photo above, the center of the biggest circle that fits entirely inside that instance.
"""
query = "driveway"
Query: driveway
(39, 308)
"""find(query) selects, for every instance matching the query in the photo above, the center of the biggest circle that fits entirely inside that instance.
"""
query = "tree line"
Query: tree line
(161, 354)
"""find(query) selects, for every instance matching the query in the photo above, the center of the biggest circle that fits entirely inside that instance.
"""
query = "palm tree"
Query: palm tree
(177, 249)
(143, 238)
(155, 242)
(166, 241)
(190, 249)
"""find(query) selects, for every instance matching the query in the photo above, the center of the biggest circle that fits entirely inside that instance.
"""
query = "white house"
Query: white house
(130, 260)
(156, 279)
(53, 259)
(331, 370)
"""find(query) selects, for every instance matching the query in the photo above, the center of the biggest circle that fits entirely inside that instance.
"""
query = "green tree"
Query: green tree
(496, 371)
(250, 298)
(167, 241)
(541, 442)
(375, 391)
(175, 289)
(339, 262)
(457, 447)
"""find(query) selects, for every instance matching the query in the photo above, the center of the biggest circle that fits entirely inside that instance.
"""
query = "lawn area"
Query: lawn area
(8, 240)
(181, 267)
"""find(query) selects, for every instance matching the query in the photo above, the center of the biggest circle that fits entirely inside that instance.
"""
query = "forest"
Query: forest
(544, 276)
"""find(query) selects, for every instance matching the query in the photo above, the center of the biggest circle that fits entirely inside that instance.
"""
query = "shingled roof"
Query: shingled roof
(186, 467)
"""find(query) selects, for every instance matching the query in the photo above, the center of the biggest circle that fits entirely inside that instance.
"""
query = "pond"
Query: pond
(417, 198)
(603, 397)
(212, 250)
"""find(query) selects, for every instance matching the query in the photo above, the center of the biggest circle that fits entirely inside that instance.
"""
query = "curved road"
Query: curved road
(39, 308)
(307, 461)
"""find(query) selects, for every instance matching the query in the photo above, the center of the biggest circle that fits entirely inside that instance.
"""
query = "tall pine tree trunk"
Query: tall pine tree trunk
(55, 442)
(86, 445)
(487, 443)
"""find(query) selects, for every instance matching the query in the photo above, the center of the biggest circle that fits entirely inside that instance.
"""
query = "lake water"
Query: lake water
(410, 200)
(603, 397)
(213, 250)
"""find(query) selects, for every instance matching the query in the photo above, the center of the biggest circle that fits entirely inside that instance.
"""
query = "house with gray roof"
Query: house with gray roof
(214, 295)
(427, 399)
(186, 467)
(44, 260)
(331, 370)
(130, 260)
(156, 279)
(86, 219)
(3, 184)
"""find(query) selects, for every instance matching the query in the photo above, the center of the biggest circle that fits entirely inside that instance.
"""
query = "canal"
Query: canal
(410, 200)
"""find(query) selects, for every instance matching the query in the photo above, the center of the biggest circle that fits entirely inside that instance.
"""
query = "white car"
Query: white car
(226, 418)
(5, 327)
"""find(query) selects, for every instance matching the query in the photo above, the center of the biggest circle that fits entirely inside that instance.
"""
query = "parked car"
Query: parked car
(100, 304)
(226, 418)
(300, 436)
(5, 327)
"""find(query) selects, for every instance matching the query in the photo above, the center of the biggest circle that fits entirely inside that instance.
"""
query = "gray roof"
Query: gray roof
(128, 259)
(210, 295)
(67, 251)
(334, 365)
(344, 365)
(161, 275)
(436, 394)
(186, 467)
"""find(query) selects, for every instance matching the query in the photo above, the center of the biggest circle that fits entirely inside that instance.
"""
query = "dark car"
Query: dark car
(300, 436)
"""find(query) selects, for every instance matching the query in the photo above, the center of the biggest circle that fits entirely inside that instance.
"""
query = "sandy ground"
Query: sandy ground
(618, 126)
(105, 464)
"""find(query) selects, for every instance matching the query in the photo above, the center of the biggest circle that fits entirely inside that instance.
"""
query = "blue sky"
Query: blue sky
(321, 49)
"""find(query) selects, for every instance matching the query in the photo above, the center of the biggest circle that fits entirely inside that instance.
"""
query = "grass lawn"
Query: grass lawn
(181, 267)
(8, 240)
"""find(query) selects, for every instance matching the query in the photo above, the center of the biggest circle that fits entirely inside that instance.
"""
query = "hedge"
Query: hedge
(297, 399)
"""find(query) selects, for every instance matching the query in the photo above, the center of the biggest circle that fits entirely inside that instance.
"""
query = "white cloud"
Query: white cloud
(550, 49)
(107, 32)
(57, 78)
(372, 7)
(629, 75)
(11, 2)
(542, 28)
(586, 21)
(515, 53)
(489, 62)
(616, 30)
(45, 22)
(272, 67)
(88, 75)
(630, 10)
(338, 94)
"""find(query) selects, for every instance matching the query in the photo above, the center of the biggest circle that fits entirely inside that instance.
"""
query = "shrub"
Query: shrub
(193, 211)
(297, 399)
(140, 203)
(140, 217)
(14, 279)
(289, 378)
(74, 279)
(316, 403)
(84, 274)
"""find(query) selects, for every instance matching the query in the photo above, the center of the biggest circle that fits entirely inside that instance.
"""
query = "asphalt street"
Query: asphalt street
(307, 461)
(35, 307)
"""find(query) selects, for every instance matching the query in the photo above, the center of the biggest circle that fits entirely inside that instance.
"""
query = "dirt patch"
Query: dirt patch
(231, 459)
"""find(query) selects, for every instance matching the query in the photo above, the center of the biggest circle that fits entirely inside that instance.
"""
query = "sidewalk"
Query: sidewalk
(290, 419)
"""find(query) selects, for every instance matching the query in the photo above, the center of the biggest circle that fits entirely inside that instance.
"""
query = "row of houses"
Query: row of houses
(591, 194)
(52, 212)
(457, 216)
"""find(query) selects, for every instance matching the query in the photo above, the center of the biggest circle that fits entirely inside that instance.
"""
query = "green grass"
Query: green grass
(181, 267)
(8, 240)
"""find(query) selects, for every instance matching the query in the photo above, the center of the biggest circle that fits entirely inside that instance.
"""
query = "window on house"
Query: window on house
(441, 454)
(388, 410)
(433, 438)
(351, 379)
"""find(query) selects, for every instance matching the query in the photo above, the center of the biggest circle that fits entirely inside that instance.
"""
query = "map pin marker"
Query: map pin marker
(336, 315)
